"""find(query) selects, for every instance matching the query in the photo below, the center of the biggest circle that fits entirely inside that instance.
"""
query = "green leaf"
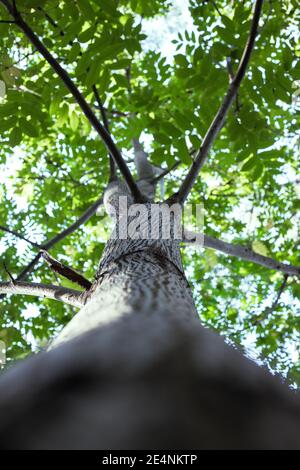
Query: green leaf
(109, 6)
(250, 163)
(183, 152)
(181, 60)
(93, 74)
(86, 35)
(74, 121)
(120, 64)
(260, 248)
(15, 136)
(170, 129)
(120, 80)
(257, 171)
(28, 128)
(86, 9)
(182, 120)
(225, 34)
(162, 138)
(196, 142)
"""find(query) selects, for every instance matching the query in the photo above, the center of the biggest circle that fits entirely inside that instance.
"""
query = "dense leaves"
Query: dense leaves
(53, 166)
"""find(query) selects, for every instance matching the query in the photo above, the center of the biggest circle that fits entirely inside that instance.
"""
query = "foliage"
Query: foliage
(54, 166)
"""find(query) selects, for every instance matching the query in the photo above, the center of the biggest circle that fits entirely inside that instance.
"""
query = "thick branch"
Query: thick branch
(231, 78)
(112, 167)
(68, 296)
(219, 118)
(87, 110)
(230, 69)
(66, 271)
(245, 253)
(101, 108)
(144, 168)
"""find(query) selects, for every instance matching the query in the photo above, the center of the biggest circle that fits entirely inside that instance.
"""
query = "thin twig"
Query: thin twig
(24, 273)
(9, 274)
(80, 221)
(60, 236)
(116, 112)
(269, 310)
(165, 173)
(18, 235)
(15, 7)
(219, 118)
(50, 19)
(215, 6)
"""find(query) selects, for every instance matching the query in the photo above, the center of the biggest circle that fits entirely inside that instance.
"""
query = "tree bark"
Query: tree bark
(134, 277)
(135, 369)
(146, 382)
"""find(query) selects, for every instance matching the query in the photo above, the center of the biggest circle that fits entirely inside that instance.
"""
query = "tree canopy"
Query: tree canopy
(54, 166)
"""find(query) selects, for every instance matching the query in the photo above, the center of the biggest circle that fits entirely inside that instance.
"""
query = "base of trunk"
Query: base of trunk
(146, 382)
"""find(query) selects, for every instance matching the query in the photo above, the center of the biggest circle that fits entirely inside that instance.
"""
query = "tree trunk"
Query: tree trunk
(134, 277)
(135, 369)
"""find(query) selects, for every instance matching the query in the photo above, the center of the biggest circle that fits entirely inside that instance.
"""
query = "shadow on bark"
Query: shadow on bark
(146, 383)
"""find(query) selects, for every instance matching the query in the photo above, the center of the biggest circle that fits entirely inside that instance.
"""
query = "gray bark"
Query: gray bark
(63, 294)
(146, 382)
(134, 276)
(243, 252)
(135, 369)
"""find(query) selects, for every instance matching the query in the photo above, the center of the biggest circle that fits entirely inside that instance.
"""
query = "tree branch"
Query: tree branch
(9, 274)
(60, 236)
(101, 108)
(50, 20)
(112, 167)
(231, 78)
(18, 235)
(87, 110)
(245, 253)
(27, 270)
(269, 310)
(115, 112)
(219, 118)
(57, 238)
(80, 221)
(68, 296)
(230, 69)
(215, 6)
(66, 271)
(157, 178)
